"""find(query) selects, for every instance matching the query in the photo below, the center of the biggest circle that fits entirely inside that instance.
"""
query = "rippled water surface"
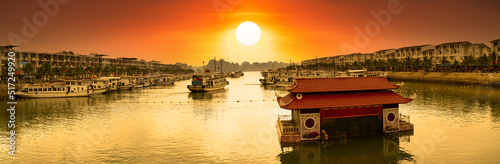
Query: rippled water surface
(168, 124)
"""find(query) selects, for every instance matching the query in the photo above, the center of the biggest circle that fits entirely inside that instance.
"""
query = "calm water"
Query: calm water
(169, 124)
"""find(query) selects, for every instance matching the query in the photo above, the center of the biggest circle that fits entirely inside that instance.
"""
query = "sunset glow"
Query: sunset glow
(192, 31)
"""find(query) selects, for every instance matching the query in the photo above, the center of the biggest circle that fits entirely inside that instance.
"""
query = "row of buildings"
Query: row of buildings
(452, 51)
(70, 59)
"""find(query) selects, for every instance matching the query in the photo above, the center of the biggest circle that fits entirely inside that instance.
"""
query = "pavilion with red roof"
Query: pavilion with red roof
(340, 107)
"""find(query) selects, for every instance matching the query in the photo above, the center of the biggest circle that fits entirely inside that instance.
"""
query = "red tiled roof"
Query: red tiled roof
(336, 100)
(340, 84)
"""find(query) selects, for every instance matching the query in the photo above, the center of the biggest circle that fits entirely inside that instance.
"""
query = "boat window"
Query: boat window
(63, 89)
(50, 89)
(44, 89)
(31, 89)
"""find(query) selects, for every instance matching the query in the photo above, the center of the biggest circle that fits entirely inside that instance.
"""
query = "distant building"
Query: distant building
(413, 52)
(385, 54)
(452, 51)
(72, 60)
(495, 46)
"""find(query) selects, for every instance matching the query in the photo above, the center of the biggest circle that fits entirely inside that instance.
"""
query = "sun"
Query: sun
(248, 33)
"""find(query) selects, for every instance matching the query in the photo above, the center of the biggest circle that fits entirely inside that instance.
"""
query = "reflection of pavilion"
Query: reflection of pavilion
(369, 149)
(341, 107)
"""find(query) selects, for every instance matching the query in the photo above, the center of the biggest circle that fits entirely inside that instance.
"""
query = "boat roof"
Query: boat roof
(109, 78)
(336, 100)
(352, 84)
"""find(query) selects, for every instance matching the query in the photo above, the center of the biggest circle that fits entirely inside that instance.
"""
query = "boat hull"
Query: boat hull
(52, 95)
(99, 91)
(125, 87)
(266, 81)
(200, 88)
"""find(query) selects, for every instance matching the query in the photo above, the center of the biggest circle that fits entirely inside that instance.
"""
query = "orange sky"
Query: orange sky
(191, 31)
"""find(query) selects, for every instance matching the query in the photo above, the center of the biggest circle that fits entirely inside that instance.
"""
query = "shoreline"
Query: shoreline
(487, 79)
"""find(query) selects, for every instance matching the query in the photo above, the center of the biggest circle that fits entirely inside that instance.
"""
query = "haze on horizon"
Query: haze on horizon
(193, 31)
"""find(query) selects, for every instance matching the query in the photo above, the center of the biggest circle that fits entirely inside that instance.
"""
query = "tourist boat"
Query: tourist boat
(112, 83)
(69, 88)
(125, 83)
(268, 77)
(166, 79)
(145, 82)
(284, 81)
(207, 82)
(152, 81)
(235, 74)
(99, 86)
(287, 78)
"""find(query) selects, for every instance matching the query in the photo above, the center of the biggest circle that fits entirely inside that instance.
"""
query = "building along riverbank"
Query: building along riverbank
(490, 79)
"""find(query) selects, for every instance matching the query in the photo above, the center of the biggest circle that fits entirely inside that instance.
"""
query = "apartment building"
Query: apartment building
(72, 60)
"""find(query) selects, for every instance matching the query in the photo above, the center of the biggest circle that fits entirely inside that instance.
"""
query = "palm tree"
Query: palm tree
(107, 70)
(28, 69)
(427, 62)
(79, 70)
(444, 61)
(98, 69)
(44, 70)
(417, 62)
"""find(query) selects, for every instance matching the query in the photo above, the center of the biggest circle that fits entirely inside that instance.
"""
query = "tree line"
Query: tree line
(484, 63)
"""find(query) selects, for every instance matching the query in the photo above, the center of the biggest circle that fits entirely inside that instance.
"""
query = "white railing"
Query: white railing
(286, 126)
(404, 118)
(285, 117)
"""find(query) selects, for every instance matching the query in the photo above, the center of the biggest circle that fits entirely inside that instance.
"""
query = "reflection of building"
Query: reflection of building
(371, 149)
(342, 107)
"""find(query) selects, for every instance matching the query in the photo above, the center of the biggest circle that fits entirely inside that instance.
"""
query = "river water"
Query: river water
(168, 124)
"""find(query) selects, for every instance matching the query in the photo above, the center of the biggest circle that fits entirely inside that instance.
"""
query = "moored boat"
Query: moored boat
(99, 86)
(69, 88)
(112, 83)
(207, 82)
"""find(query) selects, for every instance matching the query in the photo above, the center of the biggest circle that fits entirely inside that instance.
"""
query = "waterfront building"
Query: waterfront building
(413, 52)
(452, 51)
(385, 54)
(340, 107)
(72, 60)
(495, 46)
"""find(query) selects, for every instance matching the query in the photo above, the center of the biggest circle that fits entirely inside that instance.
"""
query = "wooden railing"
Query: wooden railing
(287, 127)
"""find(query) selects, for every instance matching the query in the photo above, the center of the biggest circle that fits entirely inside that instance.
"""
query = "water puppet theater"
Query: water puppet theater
(340, 107)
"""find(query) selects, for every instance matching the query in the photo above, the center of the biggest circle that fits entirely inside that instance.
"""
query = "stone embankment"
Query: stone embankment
(490, 79)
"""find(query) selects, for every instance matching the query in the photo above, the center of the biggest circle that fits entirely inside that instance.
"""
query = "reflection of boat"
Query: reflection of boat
(218, 94)
(207, 82)
(69, 88)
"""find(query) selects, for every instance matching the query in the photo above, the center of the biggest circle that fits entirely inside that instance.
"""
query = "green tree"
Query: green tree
(28, 69)
(427, 62)
(79, 71)
(44, 70)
